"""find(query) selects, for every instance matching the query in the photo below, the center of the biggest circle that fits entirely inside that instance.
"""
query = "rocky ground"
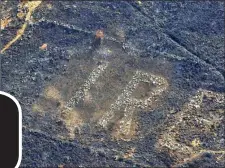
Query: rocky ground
(150, 93)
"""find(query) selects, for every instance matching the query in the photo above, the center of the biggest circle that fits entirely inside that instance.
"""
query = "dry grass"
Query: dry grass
(30, 6)
(186, 152)
(37, 108)
(129, 153)
(52, 93)
(70, 117)
(125, 133)
(72, 120)
(5, 22)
